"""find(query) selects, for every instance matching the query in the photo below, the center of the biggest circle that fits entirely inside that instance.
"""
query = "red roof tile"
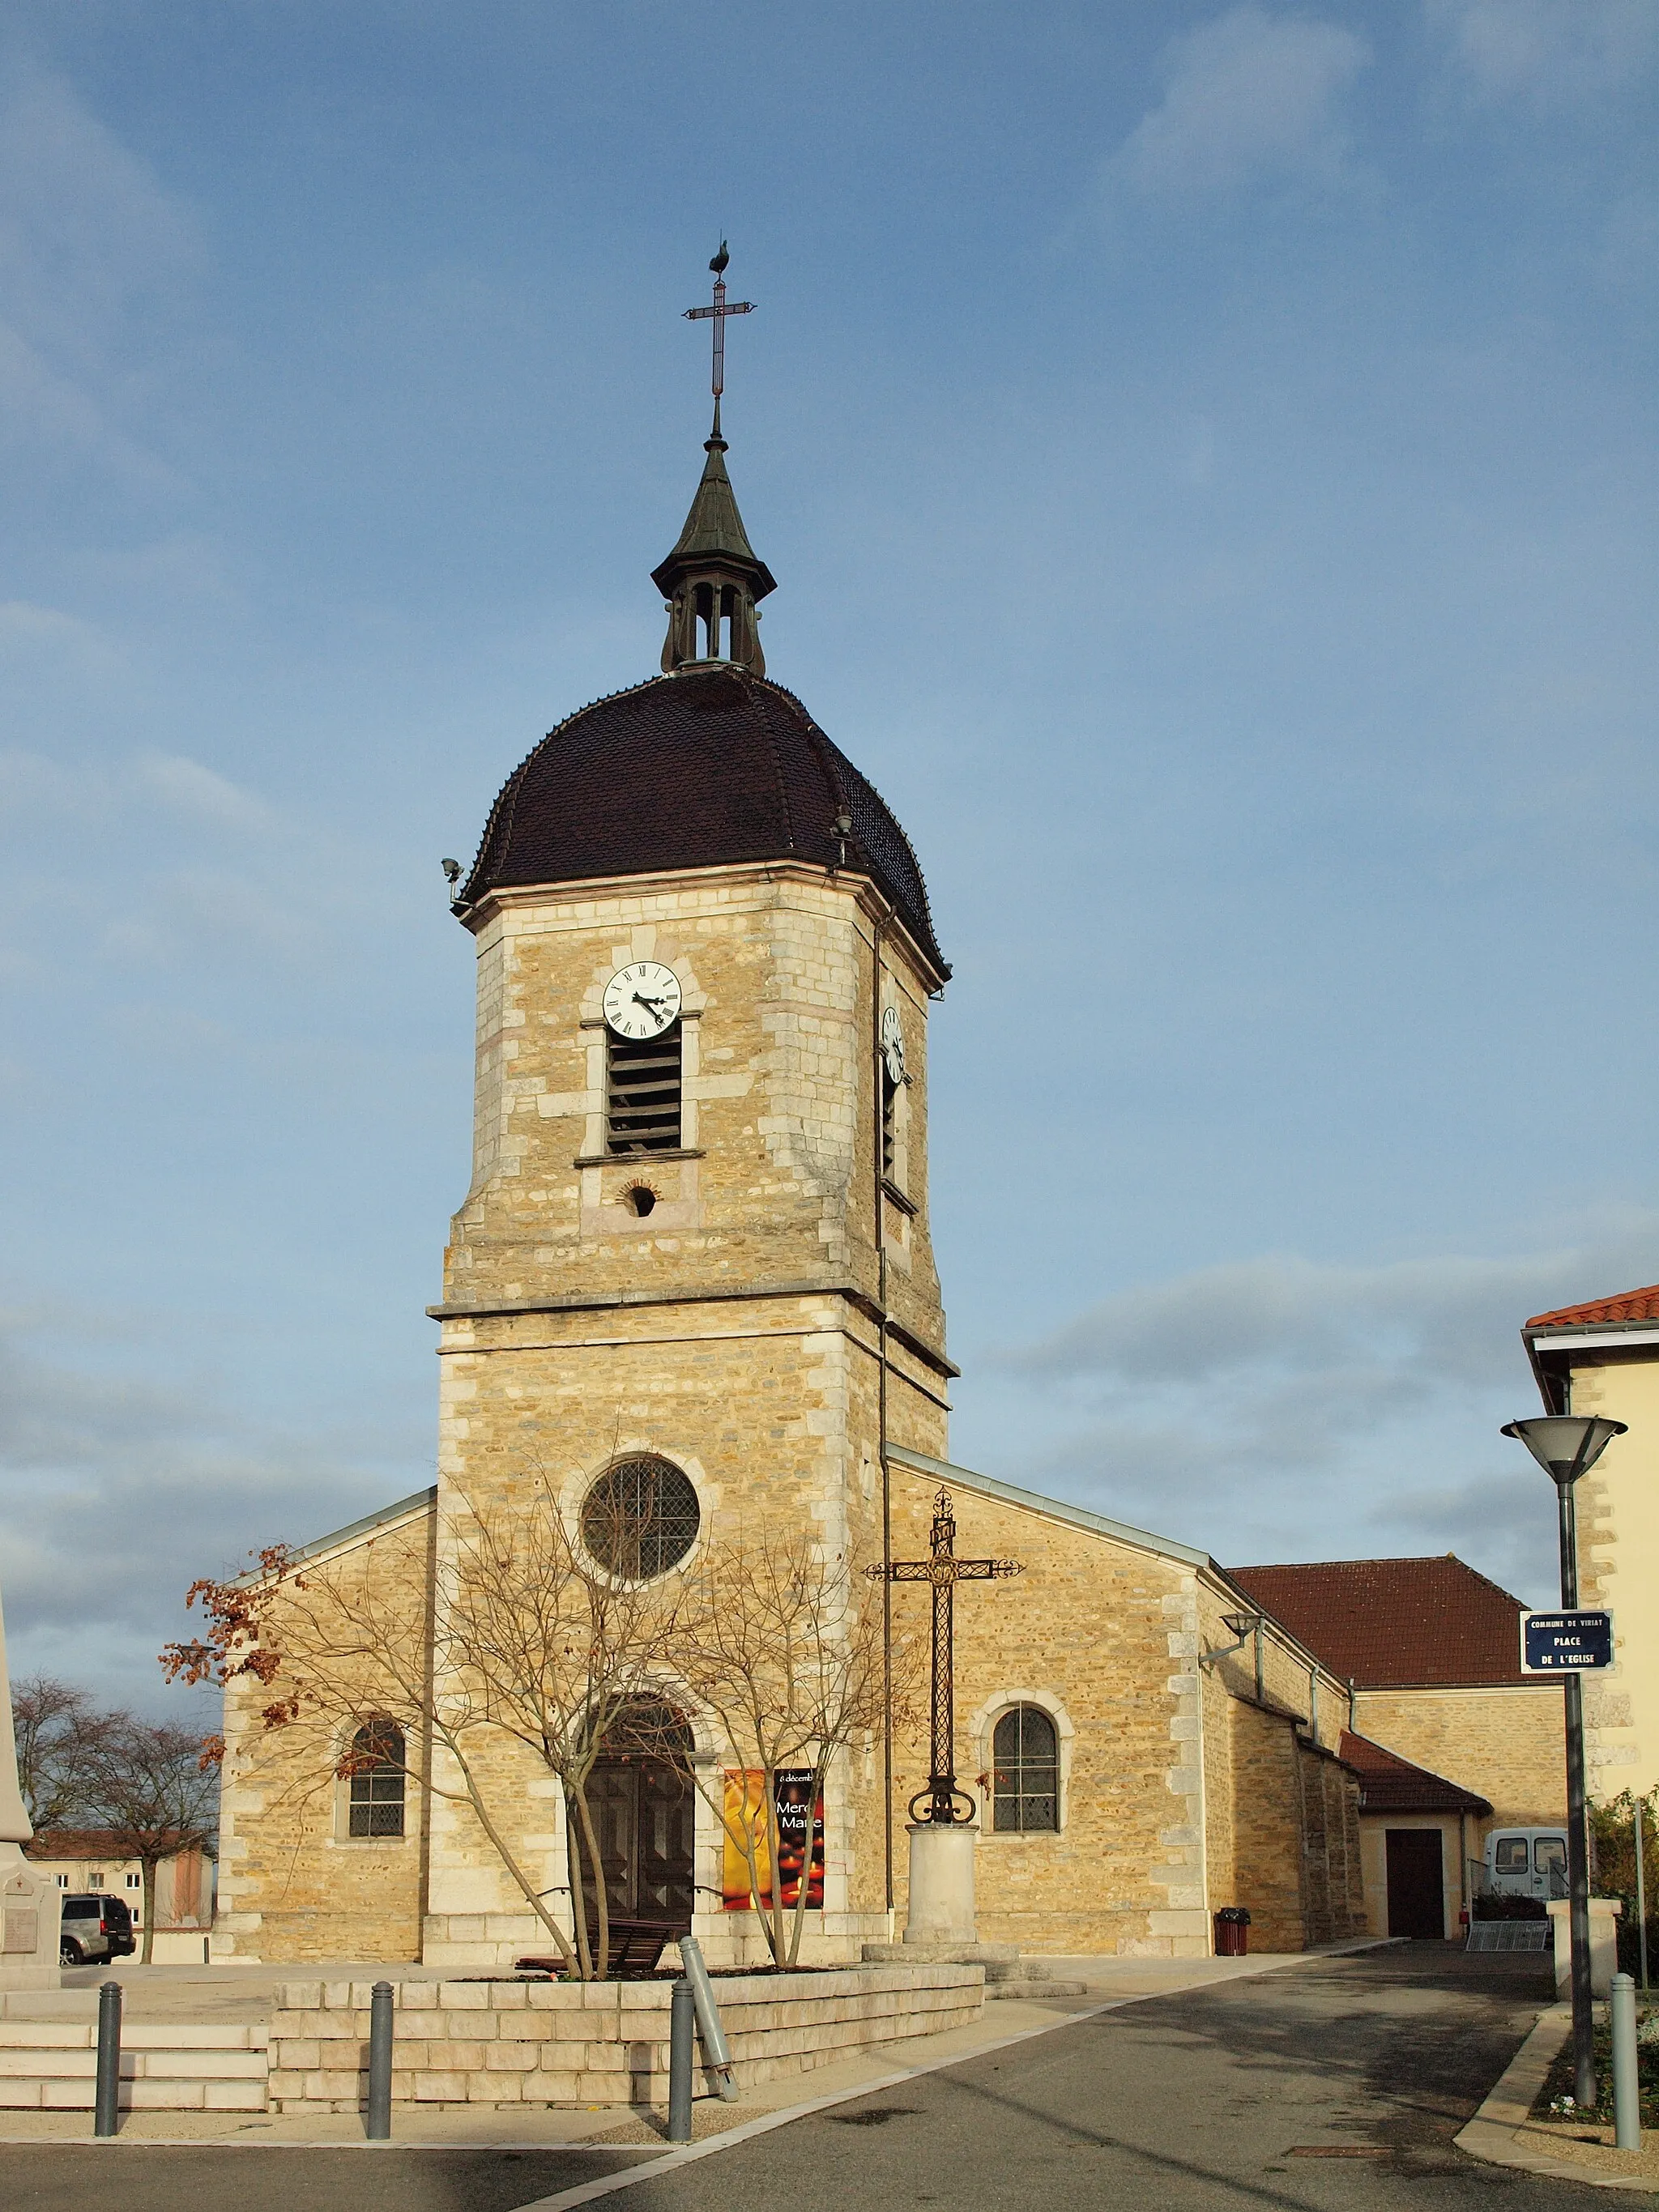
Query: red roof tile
(1388, 1783)
(1395, 1624)
(1629, 1305)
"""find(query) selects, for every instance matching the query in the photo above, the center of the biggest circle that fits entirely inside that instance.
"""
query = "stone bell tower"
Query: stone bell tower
(696, 1252)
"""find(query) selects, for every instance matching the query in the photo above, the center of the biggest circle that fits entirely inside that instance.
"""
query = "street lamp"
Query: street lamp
(1567, 1445)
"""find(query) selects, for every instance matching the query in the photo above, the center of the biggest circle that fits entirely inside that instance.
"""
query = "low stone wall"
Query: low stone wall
(595, 2043)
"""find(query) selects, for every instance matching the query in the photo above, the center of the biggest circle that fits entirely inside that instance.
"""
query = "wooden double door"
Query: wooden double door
(644, 1812)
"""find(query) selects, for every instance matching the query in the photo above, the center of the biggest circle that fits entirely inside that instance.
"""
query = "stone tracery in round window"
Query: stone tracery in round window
(641, 1517)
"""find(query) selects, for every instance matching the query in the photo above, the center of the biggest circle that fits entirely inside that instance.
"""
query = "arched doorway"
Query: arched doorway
(643, 1805)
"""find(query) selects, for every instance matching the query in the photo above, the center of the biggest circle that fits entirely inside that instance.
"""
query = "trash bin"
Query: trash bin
(1232, 1932)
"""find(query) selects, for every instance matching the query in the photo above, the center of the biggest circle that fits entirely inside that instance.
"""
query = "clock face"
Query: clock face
(892, 1044)
(643, 1000)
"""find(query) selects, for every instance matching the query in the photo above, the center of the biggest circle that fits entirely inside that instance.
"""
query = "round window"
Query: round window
(640, 1518)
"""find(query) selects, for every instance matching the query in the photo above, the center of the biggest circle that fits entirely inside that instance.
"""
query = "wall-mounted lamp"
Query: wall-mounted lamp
(1242, 1626)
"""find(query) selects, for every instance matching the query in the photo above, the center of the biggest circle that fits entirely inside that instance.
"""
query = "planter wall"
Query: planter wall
(597, 2043)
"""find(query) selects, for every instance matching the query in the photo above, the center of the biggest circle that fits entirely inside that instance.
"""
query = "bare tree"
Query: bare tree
(155, 1794)
(527, 1637)
(58, 1732)
(786, 1664)
(561, 1654)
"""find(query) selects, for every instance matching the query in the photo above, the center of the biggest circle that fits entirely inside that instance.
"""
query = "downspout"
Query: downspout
(428, 1696)
(881, 1419)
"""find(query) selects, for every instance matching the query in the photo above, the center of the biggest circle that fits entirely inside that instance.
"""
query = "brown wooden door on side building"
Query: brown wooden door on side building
(1417, 1896)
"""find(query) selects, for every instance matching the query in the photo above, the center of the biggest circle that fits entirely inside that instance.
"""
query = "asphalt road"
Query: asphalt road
(1221, 2097)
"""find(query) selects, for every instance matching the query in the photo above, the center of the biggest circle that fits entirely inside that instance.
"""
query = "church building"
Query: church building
(695, 1258)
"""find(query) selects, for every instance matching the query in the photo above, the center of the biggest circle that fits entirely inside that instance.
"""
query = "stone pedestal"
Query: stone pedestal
(942, 1884)
(942, 1928)
(1604, 1916)
(31, 1906)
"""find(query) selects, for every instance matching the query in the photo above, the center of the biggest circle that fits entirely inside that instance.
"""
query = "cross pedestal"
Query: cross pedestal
(942, 1884)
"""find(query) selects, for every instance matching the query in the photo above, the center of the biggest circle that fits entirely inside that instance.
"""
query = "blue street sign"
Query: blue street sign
(1566, 1643)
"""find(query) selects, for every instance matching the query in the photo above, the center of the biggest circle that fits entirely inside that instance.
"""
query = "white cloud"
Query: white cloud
(91, 243)
(1283, 1407)
(189, 788)
(1249, 96)
(1547, 53)
(116, 1490)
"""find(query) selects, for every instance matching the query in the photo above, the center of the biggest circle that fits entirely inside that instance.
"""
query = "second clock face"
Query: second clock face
(892, 1044)
(643, 1000)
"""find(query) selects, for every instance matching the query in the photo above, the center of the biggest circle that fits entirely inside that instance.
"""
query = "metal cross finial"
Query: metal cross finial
(718, 313)
(939, 1801)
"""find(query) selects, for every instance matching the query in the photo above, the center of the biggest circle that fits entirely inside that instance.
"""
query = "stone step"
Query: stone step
(1006, 1973)
(166, 2066)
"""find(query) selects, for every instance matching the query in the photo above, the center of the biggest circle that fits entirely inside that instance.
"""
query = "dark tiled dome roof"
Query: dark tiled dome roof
(705, 767)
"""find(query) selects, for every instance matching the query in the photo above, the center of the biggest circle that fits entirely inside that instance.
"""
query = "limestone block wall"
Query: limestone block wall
(1506, 1743)
(1102, 1636)
(550, 2043)
(293, 1883)
(776, 1182)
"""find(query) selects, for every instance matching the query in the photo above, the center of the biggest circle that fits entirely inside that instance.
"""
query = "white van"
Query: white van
(1527, 1862)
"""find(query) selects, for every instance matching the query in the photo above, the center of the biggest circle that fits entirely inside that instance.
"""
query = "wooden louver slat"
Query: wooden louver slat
(643, 1093)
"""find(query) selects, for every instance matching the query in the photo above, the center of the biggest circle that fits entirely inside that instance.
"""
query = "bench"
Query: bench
(636, 1947)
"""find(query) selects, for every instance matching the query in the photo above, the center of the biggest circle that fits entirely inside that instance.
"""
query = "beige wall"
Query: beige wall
(1618, 1559)
(1504, 1742)
(293, 1883)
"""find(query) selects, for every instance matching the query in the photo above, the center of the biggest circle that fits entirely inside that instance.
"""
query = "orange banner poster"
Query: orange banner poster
(744, 1796)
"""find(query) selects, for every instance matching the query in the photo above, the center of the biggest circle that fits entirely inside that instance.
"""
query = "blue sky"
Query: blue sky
(1208, 458)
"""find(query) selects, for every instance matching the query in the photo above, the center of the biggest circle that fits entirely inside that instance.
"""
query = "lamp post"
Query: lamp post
(1567, 1445)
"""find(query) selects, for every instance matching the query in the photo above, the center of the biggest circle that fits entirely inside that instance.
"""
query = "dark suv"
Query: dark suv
(96, 1926)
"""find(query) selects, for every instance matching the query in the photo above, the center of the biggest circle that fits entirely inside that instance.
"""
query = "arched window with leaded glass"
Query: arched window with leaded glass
(1025, 1773)
(375, 1787)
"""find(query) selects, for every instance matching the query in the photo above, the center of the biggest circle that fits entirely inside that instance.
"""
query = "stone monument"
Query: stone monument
(30, 1904)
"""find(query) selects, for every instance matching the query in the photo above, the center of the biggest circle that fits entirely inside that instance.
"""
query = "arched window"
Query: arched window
(640, 1518)
(1025, 1772)
(375, 1789)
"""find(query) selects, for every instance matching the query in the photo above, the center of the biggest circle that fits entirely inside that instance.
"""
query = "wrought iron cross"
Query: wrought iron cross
(721, 309)
(939, 1801)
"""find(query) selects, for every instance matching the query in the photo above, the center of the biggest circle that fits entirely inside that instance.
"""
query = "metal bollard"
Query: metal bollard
(715, 2048)
(379, 2129)
(1627, 2095)
(682, 2027)
(107, 2102)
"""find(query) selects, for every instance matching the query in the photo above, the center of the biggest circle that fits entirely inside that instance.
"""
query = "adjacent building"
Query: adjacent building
(1603, 1357)
(1449, 1738)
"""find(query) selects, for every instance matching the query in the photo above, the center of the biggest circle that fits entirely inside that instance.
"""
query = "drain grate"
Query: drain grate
(1337, 2150)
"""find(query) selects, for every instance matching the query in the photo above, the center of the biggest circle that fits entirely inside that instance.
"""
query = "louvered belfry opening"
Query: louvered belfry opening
(643, 1102)
(888, 1113)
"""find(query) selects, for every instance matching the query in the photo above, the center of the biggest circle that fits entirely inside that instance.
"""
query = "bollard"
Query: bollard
(715, 2048)
(107, 2102)
(682, 2019)
(380, 2064)
(1627, 2095)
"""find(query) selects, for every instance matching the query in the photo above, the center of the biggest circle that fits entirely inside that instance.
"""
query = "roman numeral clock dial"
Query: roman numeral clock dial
(643, 1000)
